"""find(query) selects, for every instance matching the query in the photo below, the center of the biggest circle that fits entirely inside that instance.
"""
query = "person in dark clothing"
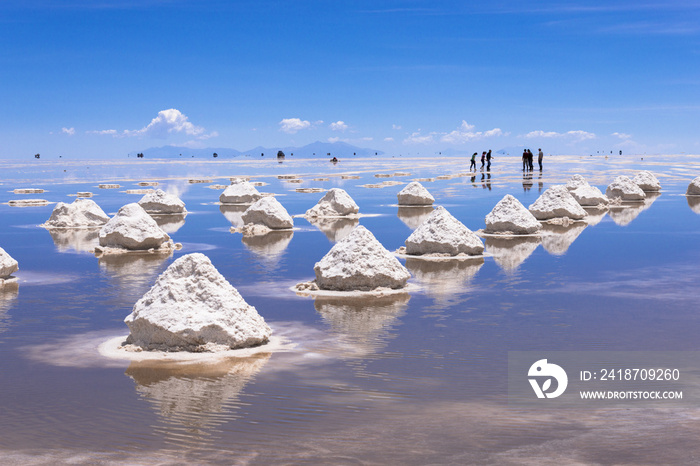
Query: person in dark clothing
(488, 160)
(525, 164)
(540, 157)
(483, 160)
(473, 164)
(530, 159)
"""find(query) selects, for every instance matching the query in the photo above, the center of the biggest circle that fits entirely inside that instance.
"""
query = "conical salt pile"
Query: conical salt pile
(239, 192)
(509, 216)
(335, 203)
(415, 194)
(81, 213)
(625, 189)
(694, 187)
(557, 202)
(576, 181)
(589, 196)
(160, 202)
(268, 212)
(441, 233)
(132, 228)
(8, 265)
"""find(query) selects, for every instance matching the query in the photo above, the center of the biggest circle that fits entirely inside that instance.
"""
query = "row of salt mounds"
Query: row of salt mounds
(8, 265)
(509, 216)
(625, 189)
(442, 233)
(359, 262)
(557, 202)
(647, 181)
(192, 307)
(415, 194)
(269, 213)
(335, 203)
(694, 187)
(81, 213)
(585, 194)
(159, 202)
(240, 191)
(133, 229)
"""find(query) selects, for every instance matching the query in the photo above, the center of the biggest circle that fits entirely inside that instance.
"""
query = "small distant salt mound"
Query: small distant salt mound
(647, 181)
(268, 212)
(557, 202)
(132, 229)
(27, 202)
(335, 203)
(694, 187)
(81, 213)
(192, 307)
(589, 196)
(159, 202)
(28, 191)
(576, 181)
(415, 194)
(8, 265)
(441, 233)
(625, 189)
(509, 216)
(359, 262)
(109, 186)
(240, 191)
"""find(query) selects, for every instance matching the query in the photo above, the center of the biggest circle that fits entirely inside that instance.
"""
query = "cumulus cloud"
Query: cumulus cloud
(104, 132)
(466, 133)
(576, 135)
(622, 135)
(418, 138)
(165, 123)
(338, 126)
(292, 125)
(68, 131)
(337, 139)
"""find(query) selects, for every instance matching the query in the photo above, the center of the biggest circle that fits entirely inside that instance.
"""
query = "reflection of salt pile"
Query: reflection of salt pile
(133, 229)
(557, 202)
(647, 181)
(443, 279)
(694, 204)
(240, 191)
(694, 187)
(132, 274)
(76, 239)
(623, 216)
(595, 216)
(560, 237)
(335, 229)
(509, 253)
(509, 216)
(81, 213)
(412, 217)
(159, 202)
(415, 194)
(269, 213)
(624, 188)
(170, 223)
(335, 203)
(192, 306)
(269, 247)
(8, 266)
(359, 262)
(233, 213)
(8, 296)
(441, 233)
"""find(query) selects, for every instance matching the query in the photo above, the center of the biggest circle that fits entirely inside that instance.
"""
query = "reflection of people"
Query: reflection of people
(488, 160)
(540, 156)
(473, 164)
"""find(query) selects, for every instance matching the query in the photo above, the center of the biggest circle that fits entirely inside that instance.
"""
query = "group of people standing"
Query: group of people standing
(528, 159)
(485, 160)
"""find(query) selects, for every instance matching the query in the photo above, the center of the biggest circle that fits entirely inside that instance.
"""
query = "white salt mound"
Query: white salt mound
(589, 196)
(441, 233)
(576, 181)
(359, 262)
(510, 216)
(81, 213)
(269, 212)
(557, 202)
(625, 189)
(240, 191)
(192, 305)
(415, 194)
(335, 203)
(8, 265)
(132, 228)
(159, 202)
(647, 181)
(694, 187)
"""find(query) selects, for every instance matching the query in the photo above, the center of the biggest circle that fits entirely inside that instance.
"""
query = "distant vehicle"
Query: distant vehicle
(280, 154)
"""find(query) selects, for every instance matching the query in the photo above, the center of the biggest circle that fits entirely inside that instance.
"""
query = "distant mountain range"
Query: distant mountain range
(316, 149)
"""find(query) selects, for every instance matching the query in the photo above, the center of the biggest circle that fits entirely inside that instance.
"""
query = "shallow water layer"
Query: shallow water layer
(407, 379)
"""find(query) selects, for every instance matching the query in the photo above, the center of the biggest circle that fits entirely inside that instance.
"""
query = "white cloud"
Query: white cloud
(466, 126)
(389, 139)
(395, 126)
(466, 134)
(622, 135)
(368, 139)
(417, 138)
(292, 125)
(338, 126)
(336, 139)
(167, 122)
(68, 131)
(576, 135)
(104, 132)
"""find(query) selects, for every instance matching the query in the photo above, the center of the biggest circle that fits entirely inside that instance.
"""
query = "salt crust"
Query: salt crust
(555, 202)
(132, 229)
(510, 217)
(28, 191)
(311, 289)
(625, 189)
(8, 265)
(335, 203)
(694, 187)
(401, 253)
(81, 213)
(159, 202)
(589, 196)
(415, 193)
(27, 202)
(647, 181)
(268, 212)
(193, 308)
(576, 181)
(442, 233)
(239, 192)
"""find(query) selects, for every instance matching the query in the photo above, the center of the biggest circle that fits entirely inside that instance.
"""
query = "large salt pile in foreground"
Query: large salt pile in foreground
(132, 229)
(625, 189)
(359, 262)
(268, 212)
(557, 202)
(81, 213)
(335, 203)
(441, 233)
(694, 187)
(239, 192)
(589, 196)
(192, 307)
(509, 216)
(8, 265)
(576, 181)
(159, 202)
(415, 194)
(647, 181)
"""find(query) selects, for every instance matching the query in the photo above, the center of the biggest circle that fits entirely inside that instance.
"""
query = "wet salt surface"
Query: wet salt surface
(414, 378)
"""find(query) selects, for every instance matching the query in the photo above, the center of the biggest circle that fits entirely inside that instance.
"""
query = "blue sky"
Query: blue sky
(103, 78)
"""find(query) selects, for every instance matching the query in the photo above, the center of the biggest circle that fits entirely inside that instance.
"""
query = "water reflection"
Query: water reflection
(76, 240)
(133, 274)
(486, 183)
(595, 215)
(694, 203)
(444, 279)
(560, 237)
(192, 399)
(527, 181)
(233, 213)
(170, 223)
(335, 229)
(269, 247)
(8, 296)
(412, 217)
(510, 252)
(624, 215)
